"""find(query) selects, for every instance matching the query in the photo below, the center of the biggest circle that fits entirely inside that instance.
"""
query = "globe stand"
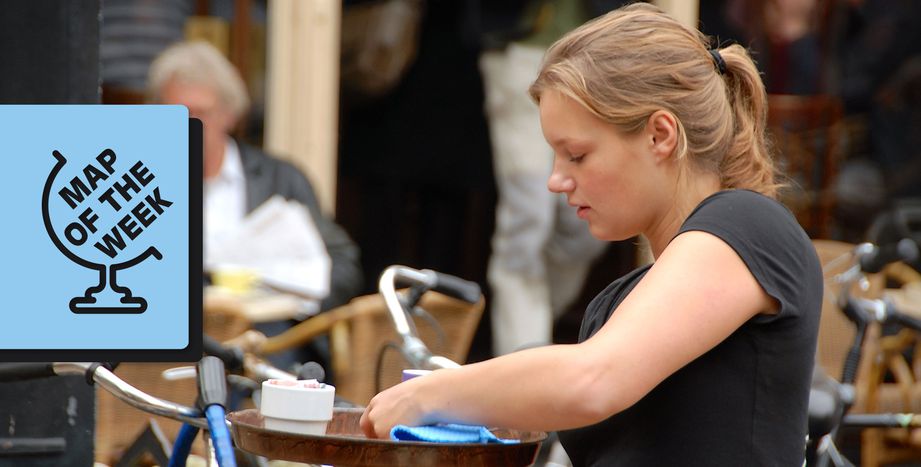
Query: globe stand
(108, 296)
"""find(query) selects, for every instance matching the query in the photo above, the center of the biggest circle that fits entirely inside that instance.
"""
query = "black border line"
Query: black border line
(193, 351)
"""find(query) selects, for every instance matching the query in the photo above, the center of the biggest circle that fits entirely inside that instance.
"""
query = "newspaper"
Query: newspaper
(280, 244)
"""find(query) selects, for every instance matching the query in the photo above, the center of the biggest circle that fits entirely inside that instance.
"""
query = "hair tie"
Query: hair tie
(718, 60)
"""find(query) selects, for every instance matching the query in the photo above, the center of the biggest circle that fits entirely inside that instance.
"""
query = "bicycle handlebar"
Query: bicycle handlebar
(141, 400)
(212, 382)
(882, 420)
(25, 371)
(416, 350)
(99, 374)
(235, 358)
(894, 315)
(878, 257)
(232, 357)
(456, 287)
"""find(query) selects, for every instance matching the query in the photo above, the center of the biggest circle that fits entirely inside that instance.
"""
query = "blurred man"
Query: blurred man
(240, 178)
(542, 251)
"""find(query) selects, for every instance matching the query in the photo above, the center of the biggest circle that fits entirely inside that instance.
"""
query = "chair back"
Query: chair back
(365, 352)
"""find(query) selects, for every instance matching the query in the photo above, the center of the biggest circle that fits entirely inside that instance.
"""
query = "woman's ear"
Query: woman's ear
(662, 132)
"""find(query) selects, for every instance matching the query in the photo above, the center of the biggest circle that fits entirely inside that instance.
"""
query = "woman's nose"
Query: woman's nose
(560, 183)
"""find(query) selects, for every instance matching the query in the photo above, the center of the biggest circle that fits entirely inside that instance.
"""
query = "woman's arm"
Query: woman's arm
(696, 294)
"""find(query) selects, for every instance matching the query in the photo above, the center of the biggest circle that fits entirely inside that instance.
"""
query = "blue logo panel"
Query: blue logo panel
(102, 239)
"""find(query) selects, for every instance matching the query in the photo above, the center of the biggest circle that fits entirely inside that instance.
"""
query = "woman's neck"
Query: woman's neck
(686, 197)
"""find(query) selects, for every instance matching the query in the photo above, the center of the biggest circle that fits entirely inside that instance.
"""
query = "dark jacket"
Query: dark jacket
(267, 176)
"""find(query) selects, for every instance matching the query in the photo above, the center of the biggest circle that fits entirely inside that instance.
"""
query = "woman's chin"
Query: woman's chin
(600, 233)
(609, 235)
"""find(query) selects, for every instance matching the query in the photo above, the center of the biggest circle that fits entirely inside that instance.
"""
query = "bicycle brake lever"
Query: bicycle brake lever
(179, 373)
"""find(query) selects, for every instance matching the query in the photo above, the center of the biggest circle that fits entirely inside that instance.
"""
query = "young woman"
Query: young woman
(702, 358)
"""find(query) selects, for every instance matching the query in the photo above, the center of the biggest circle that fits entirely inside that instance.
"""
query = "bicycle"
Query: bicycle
(831, 400)
(345, 443)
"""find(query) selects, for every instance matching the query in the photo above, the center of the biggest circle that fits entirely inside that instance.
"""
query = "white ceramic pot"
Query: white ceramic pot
(303, 407)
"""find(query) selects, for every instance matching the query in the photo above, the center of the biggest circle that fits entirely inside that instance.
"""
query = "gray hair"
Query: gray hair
(199, 63)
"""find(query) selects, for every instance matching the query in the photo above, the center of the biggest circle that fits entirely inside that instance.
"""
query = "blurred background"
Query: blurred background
(381, 104)
(402, 157)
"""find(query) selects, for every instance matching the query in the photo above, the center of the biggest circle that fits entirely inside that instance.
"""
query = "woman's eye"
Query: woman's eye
(576, 158)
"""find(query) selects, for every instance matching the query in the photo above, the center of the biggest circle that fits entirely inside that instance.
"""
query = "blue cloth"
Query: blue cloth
(447, 433)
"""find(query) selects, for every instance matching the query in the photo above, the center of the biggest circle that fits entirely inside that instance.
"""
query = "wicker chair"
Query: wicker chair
(362, 340)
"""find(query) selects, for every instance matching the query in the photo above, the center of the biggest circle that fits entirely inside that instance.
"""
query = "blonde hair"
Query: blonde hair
(199, 63)
(634, 61)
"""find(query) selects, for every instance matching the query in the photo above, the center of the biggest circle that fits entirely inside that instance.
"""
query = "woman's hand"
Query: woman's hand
(399, 405)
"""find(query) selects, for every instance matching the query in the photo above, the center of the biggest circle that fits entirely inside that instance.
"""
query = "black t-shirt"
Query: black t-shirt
(744, 402)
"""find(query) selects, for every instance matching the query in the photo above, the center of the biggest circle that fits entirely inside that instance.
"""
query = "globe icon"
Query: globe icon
(87, 212)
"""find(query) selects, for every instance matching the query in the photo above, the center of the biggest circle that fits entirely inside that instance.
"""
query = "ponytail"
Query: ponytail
(747, 163)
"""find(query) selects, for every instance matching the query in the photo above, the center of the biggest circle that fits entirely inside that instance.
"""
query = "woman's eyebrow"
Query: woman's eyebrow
(564, 140)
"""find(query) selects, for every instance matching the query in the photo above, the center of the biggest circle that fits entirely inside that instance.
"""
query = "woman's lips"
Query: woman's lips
(582, 212)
